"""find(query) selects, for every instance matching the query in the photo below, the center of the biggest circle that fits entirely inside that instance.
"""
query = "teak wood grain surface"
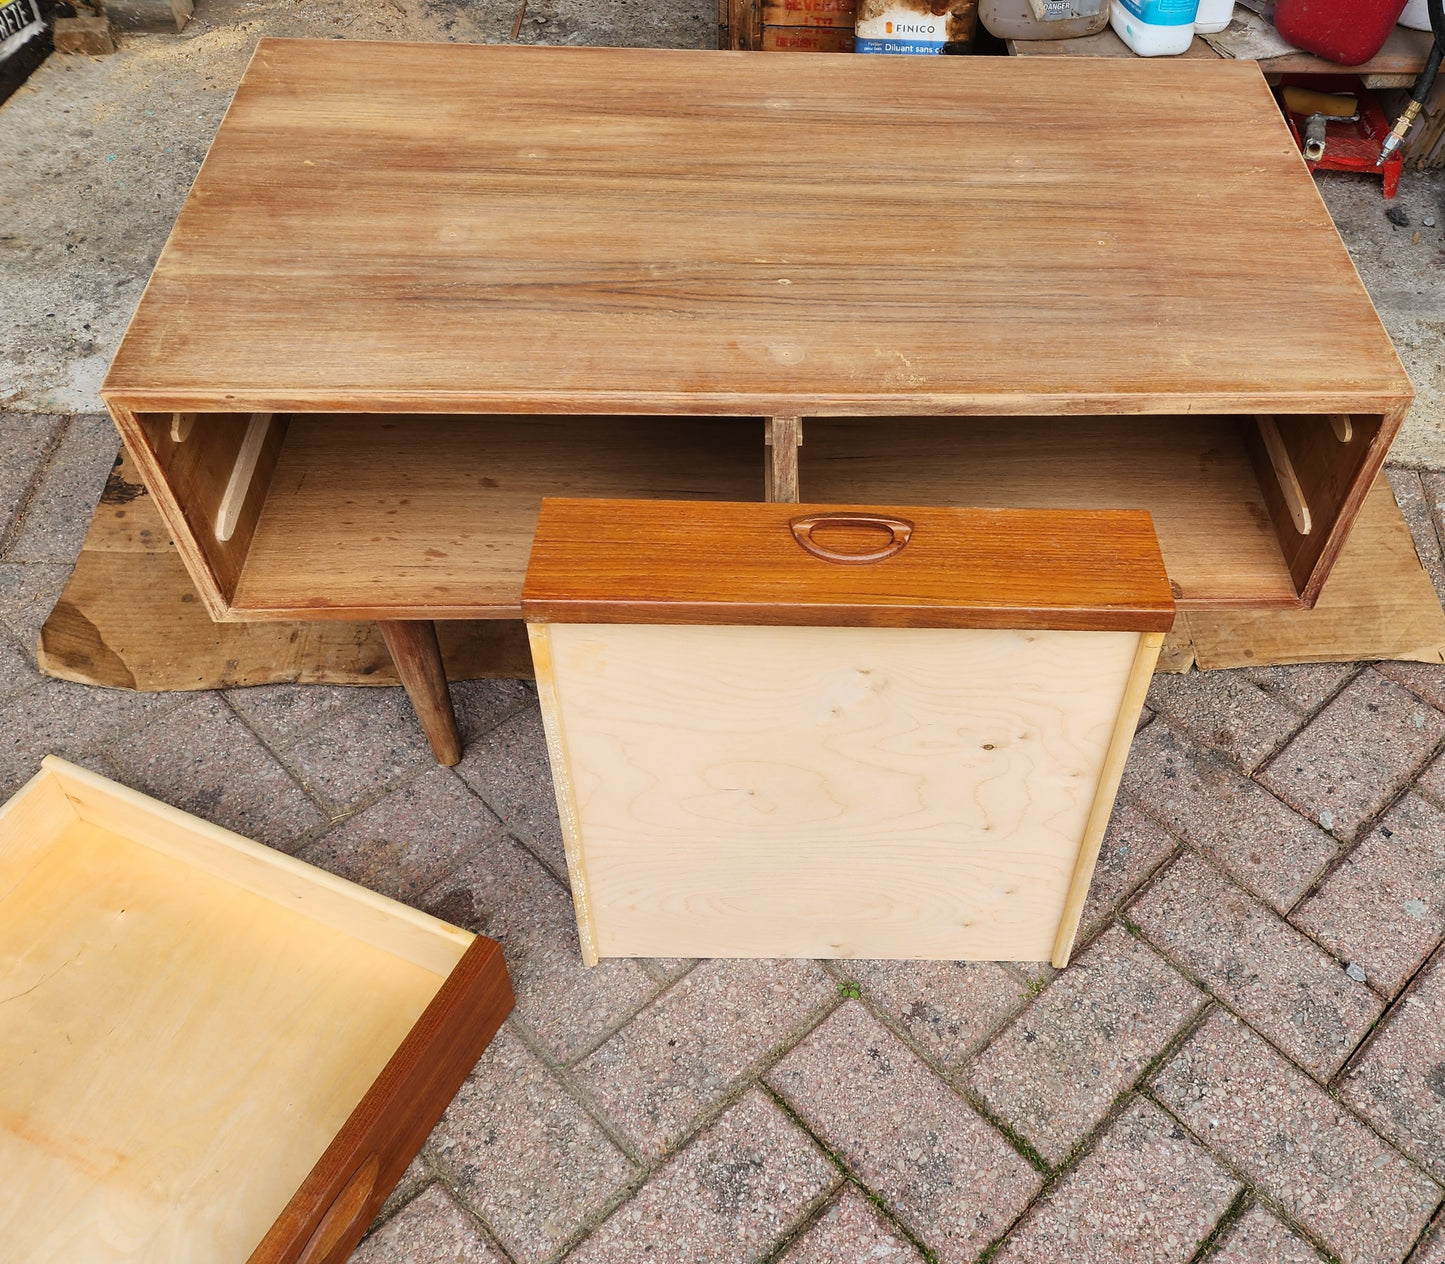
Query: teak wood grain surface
(709, 562)
(431, 515)
(446, 228)
(1191, 474)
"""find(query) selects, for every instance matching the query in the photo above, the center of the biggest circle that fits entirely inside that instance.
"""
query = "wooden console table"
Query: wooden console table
(416, 287)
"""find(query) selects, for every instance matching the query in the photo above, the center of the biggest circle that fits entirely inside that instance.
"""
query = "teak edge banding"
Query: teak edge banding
(920, 615)
(881, 404)
(401, 1107)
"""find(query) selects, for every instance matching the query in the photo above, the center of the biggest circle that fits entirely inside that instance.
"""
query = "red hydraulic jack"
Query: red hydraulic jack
(1335, 142)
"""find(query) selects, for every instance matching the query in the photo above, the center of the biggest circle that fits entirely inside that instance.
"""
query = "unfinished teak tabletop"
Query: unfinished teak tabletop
(600, 246)
(383, 227)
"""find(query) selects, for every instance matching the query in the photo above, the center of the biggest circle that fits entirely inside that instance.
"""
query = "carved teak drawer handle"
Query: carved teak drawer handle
(900, 530)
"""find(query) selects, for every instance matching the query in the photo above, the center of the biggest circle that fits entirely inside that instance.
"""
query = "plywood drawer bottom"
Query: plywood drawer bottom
(206, 1042)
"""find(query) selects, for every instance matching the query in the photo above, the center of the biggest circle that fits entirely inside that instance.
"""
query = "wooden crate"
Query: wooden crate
(808, 26)
(803, 26)
(832, 14)
(740, 24)
(210, 1051)
(792, 731)
(807, 39)
(1425, 146)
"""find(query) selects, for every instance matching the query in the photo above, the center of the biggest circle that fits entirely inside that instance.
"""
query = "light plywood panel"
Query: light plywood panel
(177, 1050)
(1146, 657)
(830, 792)
(29, 821)
(539, 636)
(450, 228)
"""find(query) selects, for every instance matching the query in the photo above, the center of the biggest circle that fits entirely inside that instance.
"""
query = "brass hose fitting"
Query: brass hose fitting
(1396, 138)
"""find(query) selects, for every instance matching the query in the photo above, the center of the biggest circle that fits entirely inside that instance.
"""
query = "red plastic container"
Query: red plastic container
(1345, 31)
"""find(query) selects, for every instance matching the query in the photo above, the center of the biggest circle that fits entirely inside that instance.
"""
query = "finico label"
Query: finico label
(900, 30)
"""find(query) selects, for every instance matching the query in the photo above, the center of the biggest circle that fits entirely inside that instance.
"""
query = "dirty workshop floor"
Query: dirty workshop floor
(1245, 1062)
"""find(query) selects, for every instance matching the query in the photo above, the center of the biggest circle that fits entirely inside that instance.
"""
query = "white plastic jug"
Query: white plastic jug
(1154, 28)
(1213, 16)
(1416, 15)
(1043, 19)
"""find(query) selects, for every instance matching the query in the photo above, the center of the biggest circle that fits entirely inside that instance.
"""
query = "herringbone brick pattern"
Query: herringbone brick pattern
(1245, 1063)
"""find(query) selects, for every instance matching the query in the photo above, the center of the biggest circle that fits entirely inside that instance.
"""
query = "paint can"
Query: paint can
(915, 26)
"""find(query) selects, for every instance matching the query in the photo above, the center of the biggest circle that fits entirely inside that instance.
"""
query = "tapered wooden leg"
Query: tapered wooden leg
(418, 659)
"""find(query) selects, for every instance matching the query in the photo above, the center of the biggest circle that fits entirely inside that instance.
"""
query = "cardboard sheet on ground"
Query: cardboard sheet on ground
(1378, 603)
(130, 619)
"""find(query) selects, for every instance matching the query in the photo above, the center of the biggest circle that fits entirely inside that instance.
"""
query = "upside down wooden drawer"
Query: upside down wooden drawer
(210, 1051)
(831, 731)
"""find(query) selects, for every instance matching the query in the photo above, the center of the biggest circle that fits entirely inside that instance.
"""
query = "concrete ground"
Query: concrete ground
(1245, 1063)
